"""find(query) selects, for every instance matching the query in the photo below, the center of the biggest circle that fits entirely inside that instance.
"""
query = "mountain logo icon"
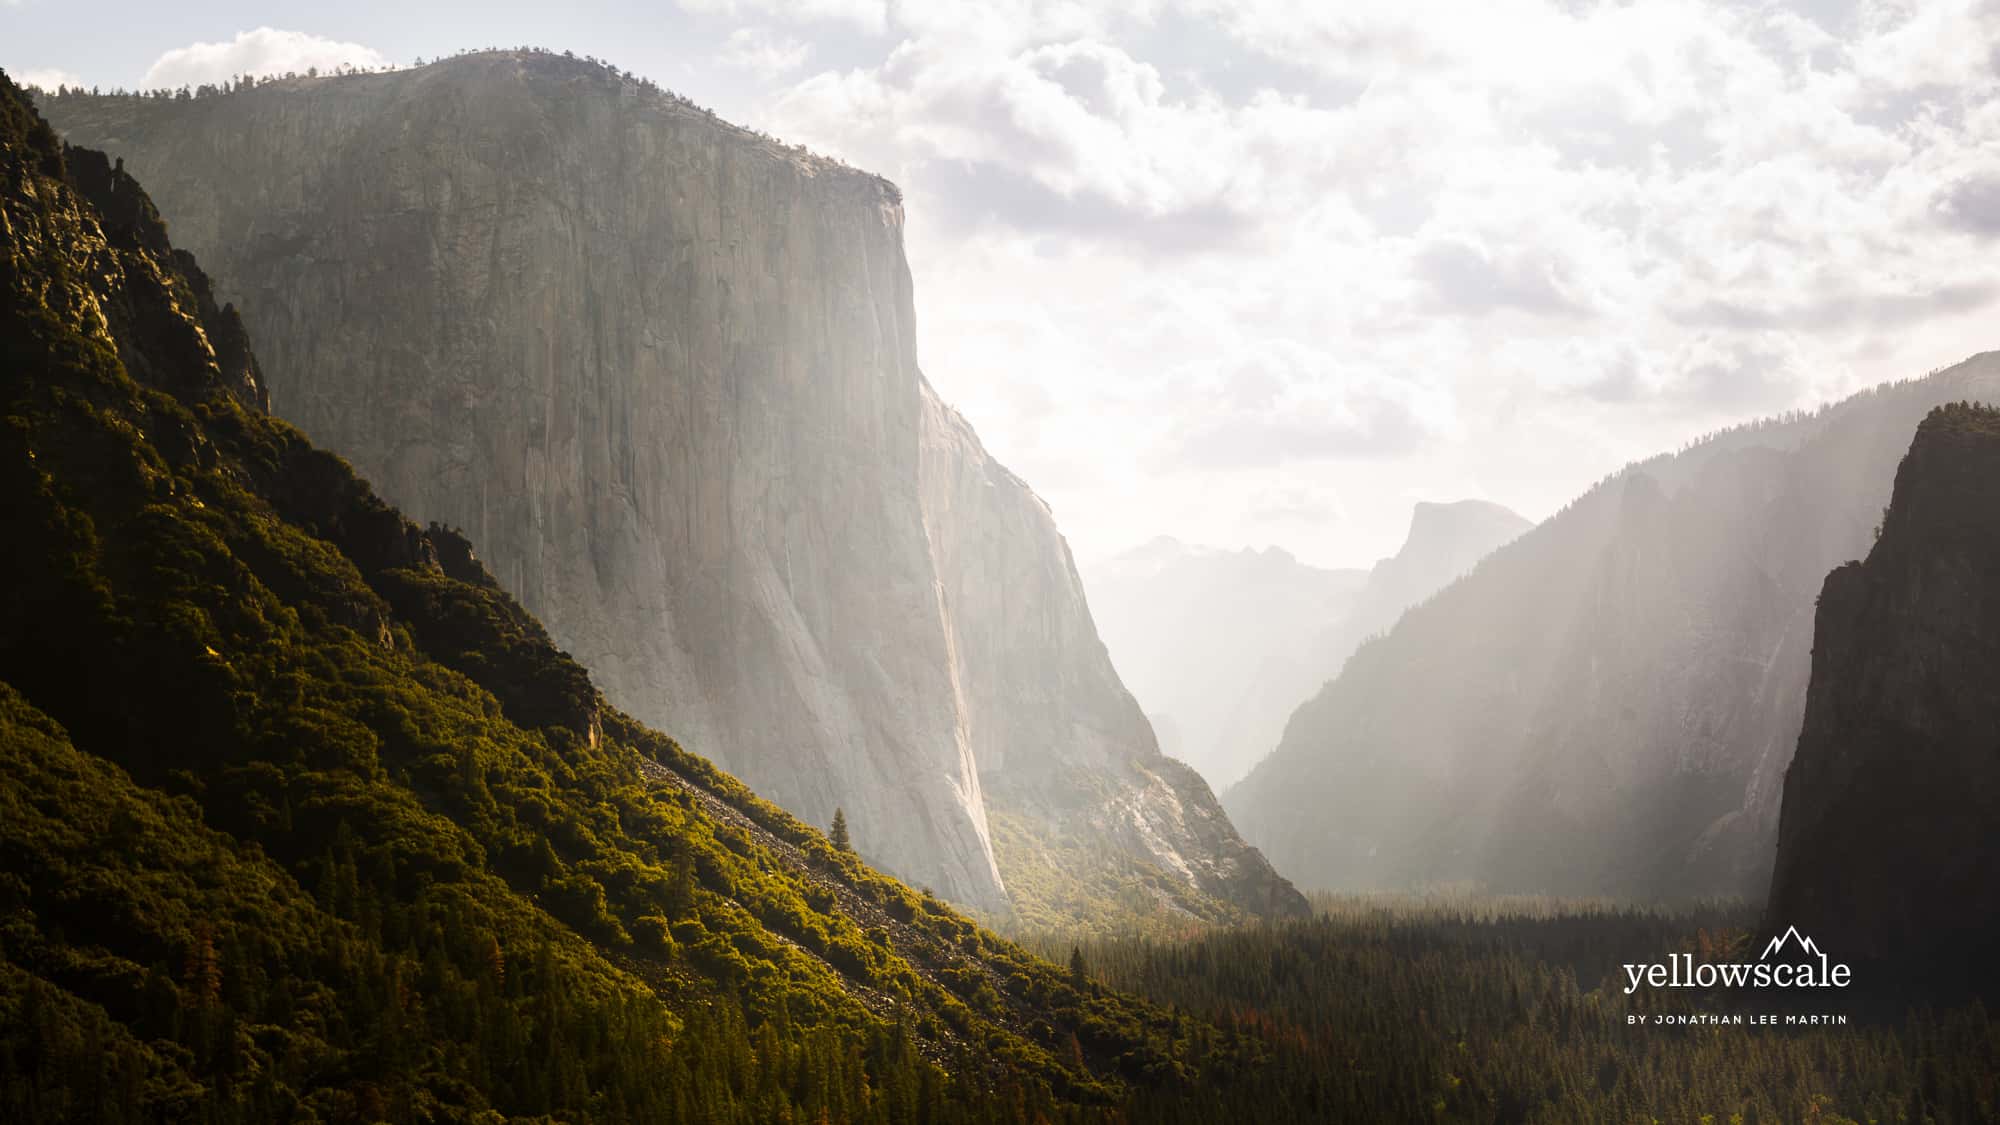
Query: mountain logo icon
(1806, 945)
(1805, 967)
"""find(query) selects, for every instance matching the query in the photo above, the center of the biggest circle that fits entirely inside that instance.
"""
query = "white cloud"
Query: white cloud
(1934, 43)
(868, 15)
(1077, 137)
(763, 54)
(259, 52)
(46, 77)
(1246, 271)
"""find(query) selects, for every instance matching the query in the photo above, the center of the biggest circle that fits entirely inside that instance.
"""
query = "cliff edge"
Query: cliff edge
(663, 370)
(1886, 847)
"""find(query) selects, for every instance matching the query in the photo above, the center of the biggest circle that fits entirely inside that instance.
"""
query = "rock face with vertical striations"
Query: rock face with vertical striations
(1083, 804)
(1886, 848)
(663, 370)
(1607, 704)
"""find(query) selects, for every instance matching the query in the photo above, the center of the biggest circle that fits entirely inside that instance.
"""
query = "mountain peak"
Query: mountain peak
(1440, 526)
(1445, 540)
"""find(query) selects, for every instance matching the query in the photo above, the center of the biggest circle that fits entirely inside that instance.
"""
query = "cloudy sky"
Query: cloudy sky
(1256, 273)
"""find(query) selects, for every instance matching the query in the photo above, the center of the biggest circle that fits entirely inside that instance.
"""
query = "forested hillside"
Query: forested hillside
(303, 818)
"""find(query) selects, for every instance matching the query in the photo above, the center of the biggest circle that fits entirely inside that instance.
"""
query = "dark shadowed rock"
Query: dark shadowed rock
(1887, 847)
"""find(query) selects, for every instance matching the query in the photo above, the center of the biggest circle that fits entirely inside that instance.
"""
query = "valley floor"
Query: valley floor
(1461, 1007)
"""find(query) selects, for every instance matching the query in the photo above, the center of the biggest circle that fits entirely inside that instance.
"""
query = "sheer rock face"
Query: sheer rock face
(662, 370)
(1607, 704)
(1886, 849)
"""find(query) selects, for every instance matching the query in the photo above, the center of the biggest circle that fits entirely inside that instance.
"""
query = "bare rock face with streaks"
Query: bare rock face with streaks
(664, 371)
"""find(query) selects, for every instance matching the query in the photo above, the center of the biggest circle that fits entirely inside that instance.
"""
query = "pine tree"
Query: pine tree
(839, 833)
(1078, 972)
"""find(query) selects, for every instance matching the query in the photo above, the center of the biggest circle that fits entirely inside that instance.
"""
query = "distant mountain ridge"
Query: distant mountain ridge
(1201, 635)
(1224, 645)
(1445, 541)
(663, 370)
(1607, 704)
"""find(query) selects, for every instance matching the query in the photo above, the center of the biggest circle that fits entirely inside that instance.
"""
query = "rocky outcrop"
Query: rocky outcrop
(1607, 704)
(1886, 848)
(148, 301)
(660, 368)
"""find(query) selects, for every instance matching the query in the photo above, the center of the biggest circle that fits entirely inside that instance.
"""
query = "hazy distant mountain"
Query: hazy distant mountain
(1607, 704)
(1195, 631)
(1225, 645)
(1444, 542)
(663, 371)
(1886, 849)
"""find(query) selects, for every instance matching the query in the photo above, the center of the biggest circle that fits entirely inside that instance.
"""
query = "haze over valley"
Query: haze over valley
(870, 563)
(1221, 646)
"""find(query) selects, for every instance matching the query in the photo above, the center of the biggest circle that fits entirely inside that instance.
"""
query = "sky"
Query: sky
(1259, 273)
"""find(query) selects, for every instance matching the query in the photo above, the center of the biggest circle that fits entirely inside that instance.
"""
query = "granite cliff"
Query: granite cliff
(663, 370)
(1084, 807)
(1607, 704)
(303, 817)
(1886, 853)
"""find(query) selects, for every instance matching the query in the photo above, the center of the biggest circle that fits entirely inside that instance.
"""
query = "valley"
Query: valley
(499, 624)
